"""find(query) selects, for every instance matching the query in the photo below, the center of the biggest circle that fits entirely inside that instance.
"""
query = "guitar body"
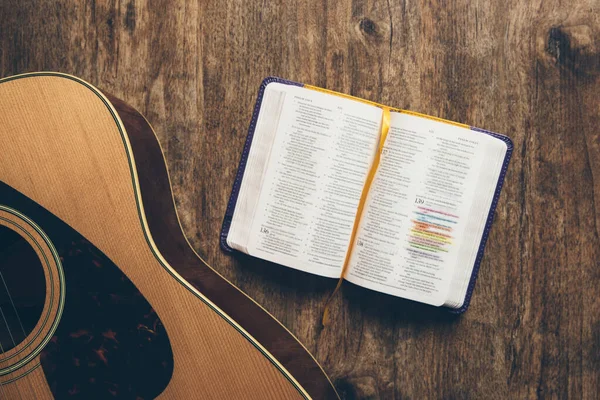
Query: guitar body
(93, 303)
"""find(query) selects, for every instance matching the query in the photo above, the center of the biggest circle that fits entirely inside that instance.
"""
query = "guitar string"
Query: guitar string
(8, 327)
(1, 384)
(13, 305)
(29, 383)
(13, 341)
(2, 350)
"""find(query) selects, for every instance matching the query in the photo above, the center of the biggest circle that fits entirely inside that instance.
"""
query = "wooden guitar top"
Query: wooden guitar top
(76, 160)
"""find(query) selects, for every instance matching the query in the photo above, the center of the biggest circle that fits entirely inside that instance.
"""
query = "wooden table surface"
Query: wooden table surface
(529, 69)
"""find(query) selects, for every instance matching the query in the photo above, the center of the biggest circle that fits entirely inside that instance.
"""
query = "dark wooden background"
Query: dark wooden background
(529, 69)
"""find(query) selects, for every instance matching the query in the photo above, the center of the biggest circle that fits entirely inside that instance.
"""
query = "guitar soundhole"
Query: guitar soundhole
(22, 289)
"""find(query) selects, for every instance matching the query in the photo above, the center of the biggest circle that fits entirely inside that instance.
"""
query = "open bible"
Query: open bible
(387, 199)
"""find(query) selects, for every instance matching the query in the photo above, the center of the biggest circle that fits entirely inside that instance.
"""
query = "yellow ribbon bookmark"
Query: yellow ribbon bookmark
(385, 127)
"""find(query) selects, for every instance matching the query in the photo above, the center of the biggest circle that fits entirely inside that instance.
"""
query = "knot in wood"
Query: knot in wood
(576, 48)
(368, 27)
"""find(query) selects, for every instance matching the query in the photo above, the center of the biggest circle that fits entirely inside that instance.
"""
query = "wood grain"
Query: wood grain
(529, 69)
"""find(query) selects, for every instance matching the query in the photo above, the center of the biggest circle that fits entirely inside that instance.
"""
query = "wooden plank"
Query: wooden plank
(527, 69)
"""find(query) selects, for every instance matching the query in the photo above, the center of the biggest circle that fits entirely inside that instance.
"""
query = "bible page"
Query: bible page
(424, 214)
(323, 148)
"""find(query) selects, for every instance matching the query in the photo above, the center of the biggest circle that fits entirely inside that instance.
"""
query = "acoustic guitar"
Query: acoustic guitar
(93, 303)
